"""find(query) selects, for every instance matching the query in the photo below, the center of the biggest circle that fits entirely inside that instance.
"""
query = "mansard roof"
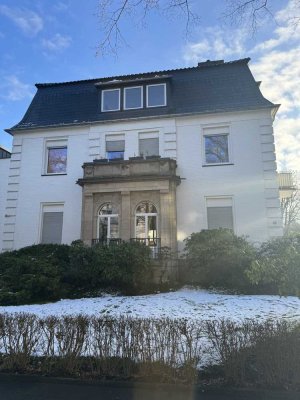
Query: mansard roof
(210, 87)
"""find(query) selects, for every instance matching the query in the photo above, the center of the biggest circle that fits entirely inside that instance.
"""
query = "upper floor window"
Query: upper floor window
(149, 147)
(115, 149)
(133, 97)
(56, 157)
(110, 100)
(216, 149)
(156, 95)
(216, 145)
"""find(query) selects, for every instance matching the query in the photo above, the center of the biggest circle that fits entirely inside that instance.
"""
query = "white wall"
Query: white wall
(4, 169)
(244, 180)
(251, 180)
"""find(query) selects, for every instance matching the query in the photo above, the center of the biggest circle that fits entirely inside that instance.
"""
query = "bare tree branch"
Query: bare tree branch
(245, 13)
(290, 207)
(112, 13)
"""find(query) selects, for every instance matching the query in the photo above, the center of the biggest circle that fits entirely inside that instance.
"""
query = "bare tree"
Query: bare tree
(112, 13)
(290, 201)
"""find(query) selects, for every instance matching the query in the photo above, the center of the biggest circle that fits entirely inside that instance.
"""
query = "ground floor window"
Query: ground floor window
(52, 223)
(219, 212)
(108, 222)
(146, 223)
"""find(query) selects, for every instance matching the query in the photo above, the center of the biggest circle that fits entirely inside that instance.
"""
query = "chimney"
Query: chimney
(209, 63)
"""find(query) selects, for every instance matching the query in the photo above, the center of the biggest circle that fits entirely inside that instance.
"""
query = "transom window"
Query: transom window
(156, 95)
(216, 149)
(108, 222)
(110, 100)
(133, 97)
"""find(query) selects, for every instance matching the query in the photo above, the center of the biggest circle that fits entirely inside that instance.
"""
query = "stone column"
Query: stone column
(125, 233)
(87, 218)
(164, 218)
(168, 228)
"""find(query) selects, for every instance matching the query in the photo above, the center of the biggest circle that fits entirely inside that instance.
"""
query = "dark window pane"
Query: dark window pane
(216, 149)
(113, 155)
(133, 97)
(156, 95)
(57, 160)
(110, 99)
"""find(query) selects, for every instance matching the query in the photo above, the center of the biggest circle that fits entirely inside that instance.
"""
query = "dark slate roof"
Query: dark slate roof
(212, 86)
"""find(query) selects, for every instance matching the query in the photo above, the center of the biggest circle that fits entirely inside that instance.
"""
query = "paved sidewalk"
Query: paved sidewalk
(19, 387)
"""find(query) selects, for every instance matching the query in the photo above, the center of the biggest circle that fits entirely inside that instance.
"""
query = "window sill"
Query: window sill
(53, 174)
(217, 165)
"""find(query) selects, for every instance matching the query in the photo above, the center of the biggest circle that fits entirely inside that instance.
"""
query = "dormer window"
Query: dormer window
(156, 95)
(110, 100)
(133, 97)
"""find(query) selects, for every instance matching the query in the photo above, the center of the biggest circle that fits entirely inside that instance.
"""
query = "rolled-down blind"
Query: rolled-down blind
(115, 145)
(219, 217)
(149, 147)
(52, 227)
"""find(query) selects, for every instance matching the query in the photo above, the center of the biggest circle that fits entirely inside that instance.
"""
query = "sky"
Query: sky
(57, 40)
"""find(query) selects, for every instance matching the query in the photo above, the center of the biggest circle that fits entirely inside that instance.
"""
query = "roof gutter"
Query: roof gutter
(11, 130)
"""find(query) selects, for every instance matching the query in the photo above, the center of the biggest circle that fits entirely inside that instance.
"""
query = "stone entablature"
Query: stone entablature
(132, 169)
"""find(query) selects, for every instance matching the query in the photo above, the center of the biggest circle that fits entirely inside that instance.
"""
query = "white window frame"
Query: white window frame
(165, 95)
(124, 100)
(217, 131)
(102, 97)
(50, 207)
(55, 143)
(108, 216)
(222, 199)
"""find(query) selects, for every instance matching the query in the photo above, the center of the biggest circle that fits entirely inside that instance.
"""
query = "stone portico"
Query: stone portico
(126, 184)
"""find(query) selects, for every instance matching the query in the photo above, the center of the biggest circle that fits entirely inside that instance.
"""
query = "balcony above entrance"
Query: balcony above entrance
(136, 168)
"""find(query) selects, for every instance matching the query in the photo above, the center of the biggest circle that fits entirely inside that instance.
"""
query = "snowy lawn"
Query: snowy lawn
(184, 303)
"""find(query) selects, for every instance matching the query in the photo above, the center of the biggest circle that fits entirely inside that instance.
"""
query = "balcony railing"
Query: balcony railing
(106, 242)
(153, 243)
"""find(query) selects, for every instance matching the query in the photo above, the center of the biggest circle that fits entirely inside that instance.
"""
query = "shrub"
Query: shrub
(277, 266)
(32, 274)
(43, 273)
(218, 258)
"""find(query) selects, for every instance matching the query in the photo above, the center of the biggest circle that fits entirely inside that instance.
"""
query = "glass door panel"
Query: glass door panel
(114, 228)
(103, 228)
(140, 227)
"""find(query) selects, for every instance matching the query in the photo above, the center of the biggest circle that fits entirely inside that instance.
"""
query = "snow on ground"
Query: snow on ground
(184, 303)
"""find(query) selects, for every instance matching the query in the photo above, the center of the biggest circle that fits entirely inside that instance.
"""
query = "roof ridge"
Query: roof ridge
(205, 64)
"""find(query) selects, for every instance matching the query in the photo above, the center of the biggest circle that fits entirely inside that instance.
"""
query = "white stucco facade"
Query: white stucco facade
(4, 172)
(248, 180)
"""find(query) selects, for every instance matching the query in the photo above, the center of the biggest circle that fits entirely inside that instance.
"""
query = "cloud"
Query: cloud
(57, 43)
(216, 43)
(14, 90)
(276, 63)
(61, 6)
(28, 21)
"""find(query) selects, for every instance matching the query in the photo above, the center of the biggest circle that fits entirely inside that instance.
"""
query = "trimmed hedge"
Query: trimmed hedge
(249, 353)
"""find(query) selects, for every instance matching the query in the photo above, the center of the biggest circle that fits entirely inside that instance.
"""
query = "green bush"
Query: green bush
(125, 267)
(277, 266)
(49, 272)
(218, 258)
